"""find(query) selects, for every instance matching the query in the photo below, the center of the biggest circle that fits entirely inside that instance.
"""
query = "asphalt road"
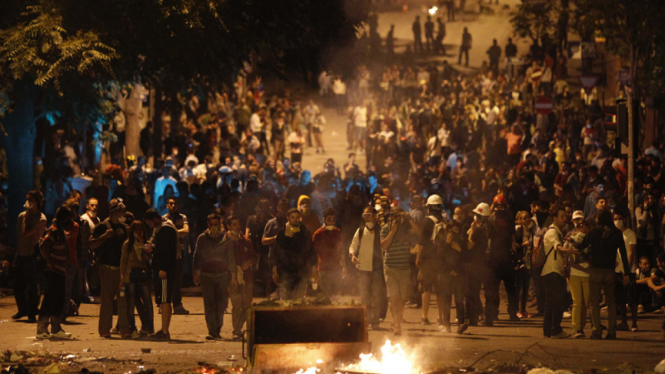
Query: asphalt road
(507, 342)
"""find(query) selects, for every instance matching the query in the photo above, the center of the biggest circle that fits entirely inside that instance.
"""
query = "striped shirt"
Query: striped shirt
(397, 255)
(58, 252)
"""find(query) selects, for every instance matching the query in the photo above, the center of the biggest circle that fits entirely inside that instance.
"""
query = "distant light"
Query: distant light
(433, 10)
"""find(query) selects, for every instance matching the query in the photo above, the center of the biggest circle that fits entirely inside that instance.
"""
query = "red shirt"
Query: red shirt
(244, 251)
(328, 248)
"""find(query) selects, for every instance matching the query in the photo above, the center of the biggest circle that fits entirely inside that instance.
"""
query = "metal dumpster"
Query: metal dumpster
(286, 339)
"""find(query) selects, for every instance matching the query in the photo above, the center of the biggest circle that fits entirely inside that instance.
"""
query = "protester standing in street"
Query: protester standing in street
(213, 271)
(241, 294)
(31, 226)
(604, 240)
(327, 243)
(295, 259)
(136, 277)
(467, 42)
(179, 220)
(417, 36)
(164, 266)
(107, 239)
(55, 252)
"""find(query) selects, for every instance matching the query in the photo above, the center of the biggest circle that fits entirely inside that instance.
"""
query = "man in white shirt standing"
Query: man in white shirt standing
(365, 251)
(360, 123)
(553, 278)
(257, 125)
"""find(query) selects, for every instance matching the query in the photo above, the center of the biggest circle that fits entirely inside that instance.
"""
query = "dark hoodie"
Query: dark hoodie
(604, 242)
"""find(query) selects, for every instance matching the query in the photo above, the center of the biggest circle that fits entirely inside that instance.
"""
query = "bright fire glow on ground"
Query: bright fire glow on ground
(393, 361)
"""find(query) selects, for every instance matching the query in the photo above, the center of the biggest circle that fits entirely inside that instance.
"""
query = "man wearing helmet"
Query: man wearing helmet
(477, 246)
(501, 230)
(427, 251)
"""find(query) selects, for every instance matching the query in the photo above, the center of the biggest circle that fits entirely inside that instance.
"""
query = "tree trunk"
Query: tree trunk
(157, 124)
(19, 145)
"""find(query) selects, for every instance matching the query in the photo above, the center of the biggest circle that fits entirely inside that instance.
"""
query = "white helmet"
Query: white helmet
(434, 200)
(482, 209)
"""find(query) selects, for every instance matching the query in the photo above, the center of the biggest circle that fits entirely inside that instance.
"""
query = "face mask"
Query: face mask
(618, 224)
(377, 207)
(28, 205)
(330, 227)
(369, 225)
(122, 219)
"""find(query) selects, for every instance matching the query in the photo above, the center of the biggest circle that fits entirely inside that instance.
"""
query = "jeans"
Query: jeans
(602, 279)
(555, 303)
(579, 288)
(241, 299)
(330, 282)
(498, 274)
(372, 293)
(72, 272)
(138, 296)
(292, 286)
(539, 289)
(54, 297)
(26, 290)
(450, 286)
(109, 279)
(523, 282)
(215, 300)
(476, 272)
(176, 296)
(463, 51)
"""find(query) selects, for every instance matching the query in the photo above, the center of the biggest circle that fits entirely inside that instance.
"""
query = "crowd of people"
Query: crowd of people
(465, 187)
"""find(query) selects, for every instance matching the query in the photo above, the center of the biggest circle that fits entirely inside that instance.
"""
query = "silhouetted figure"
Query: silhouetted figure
(450, 7)
(417, 35)
(467, 41)
(390, 42)
(441, 33)
(494, 53)
(429, 34)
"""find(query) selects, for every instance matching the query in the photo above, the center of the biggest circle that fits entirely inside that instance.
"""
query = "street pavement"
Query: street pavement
(480, 347)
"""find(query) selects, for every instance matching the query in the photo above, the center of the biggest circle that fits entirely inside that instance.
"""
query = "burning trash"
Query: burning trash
(393, 361)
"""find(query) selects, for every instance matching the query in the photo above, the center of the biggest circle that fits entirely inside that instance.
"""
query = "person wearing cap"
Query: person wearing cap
(426, 256)
(579, 275)
(107, 239)
(478, 241)
(366, 255)
(309, 218)
(501, 228)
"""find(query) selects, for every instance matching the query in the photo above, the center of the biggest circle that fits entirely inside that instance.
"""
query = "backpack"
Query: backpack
(539, 257)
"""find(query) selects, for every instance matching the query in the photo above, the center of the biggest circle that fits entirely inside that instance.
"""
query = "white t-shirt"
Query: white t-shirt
(255, 123)
(360, 116)
(554, 262)
(629, 238)
(364, 250)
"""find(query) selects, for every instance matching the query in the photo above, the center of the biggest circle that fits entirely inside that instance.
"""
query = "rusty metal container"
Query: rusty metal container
(280, 339)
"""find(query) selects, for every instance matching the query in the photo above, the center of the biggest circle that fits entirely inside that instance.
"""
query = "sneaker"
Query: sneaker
(180, 310)
(596, 335)
(18, 316)
(579, 335)
(61, 335)
(561, 335)
(238, 337)
(461, 328)
(136, 335)
(32, 319)
(659, 311)
(567, 314)
(520, 315)
(42, 336)
(634, 328)
(424, 321)
(445, 329)
(161, 335)
(640, 309)
(210, 337)
(611, 336)
(622, 327)
(115, 331)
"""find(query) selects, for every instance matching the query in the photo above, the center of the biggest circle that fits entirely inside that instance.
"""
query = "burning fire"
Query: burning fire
(393, 361)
